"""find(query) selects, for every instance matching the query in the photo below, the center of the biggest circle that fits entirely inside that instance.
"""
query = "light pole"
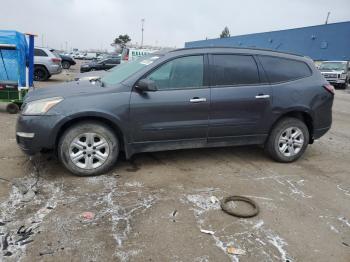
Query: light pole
(142, 29)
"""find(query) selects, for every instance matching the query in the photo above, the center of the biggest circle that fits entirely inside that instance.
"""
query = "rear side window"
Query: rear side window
(282, 69)
(39, 52)
(234, 70)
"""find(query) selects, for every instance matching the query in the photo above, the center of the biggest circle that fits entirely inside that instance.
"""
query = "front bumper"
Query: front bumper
(35, 133)
(336, 81)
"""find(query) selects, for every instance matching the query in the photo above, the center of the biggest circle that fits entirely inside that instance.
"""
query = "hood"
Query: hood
(67, 89)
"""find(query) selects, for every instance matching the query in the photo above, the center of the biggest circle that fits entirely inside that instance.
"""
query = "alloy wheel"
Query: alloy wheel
(291, 141)
(89, 150)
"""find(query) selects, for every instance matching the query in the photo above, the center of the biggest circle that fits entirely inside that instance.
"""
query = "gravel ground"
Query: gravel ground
(154, 207)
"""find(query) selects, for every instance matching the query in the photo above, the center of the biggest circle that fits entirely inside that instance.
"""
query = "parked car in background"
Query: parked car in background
(67, 60)
(90, 56)
(46, 64)
(130, 54)
(80, 55)
(104, 64)
(105, 56)
(187, 98)
(336, 72)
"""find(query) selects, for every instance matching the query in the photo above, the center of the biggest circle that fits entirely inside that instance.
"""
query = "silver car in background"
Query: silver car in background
(46, 64)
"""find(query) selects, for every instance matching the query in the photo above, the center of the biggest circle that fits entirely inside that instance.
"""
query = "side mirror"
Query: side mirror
(146, 85)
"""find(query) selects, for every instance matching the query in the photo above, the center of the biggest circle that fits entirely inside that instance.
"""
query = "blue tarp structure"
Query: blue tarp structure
(13, 62)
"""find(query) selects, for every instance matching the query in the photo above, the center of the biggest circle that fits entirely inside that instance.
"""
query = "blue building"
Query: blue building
(321, 42)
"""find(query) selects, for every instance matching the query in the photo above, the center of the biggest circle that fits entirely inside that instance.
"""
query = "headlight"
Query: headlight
(343, 76)
(39, 107)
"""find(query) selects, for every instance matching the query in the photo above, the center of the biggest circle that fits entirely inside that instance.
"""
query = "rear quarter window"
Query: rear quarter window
(282, 69)
(39, 52)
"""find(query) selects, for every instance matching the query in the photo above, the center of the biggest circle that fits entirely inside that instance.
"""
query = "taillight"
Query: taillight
(56, 60)
(126, 57)
(329, 88)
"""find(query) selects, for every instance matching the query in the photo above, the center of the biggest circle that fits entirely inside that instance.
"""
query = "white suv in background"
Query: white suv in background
(46, 64)
(336, 73)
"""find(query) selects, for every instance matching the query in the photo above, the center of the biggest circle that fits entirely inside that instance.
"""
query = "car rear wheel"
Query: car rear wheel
(40, 73)
(88, 149)
(288, 140)
(65, 65)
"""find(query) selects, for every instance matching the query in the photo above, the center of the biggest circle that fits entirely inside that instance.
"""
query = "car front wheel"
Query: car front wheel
(88, 149)
(288, 140)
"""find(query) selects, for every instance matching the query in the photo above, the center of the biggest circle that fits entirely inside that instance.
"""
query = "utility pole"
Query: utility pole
(42, 40)
(66, 46)
(142, 29)
(329, 13)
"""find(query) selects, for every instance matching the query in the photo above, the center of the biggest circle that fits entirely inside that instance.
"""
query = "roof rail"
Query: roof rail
(235, 47)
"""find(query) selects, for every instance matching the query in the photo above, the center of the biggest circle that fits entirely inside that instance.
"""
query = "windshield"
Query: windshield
(123, 71)
(337, 66)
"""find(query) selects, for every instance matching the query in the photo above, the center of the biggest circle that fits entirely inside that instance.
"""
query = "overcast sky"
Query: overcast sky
(95, 23)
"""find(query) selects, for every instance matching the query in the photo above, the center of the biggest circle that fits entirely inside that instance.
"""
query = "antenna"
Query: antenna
(329, 13)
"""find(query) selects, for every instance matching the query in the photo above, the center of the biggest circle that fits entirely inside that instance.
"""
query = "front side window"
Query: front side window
(183, 72)
(282, 69)
(228, 70)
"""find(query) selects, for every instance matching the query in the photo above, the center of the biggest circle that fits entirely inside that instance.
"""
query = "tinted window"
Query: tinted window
(179, 73)
(282, 69)
(234, 70)
(39, 52)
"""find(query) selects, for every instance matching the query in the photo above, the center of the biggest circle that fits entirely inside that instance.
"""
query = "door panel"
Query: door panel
(169, 115)
(240, 105)
(235, 111)
(179, 109)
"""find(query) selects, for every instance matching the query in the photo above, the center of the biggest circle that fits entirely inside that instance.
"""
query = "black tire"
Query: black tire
(272, 145)
(100, 129)
(41, 73)
(65, 65)
(12, 108)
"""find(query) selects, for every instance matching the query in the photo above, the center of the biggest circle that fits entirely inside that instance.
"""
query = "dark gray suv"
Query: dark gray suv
(187, 98)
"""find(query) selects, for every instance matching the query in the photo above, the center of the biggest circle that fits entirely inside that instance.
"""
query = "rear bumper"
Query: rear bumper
(35, 133)
(320, 132)
(55, 69)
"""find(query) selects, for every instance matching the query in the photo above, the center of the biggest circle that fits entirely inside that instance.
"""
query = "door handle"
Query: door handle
(262, 96)
(198, 100)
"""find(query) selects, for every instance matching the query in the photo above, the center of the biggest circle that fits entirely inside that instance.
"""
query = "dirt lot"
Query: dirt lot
(153, 207)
